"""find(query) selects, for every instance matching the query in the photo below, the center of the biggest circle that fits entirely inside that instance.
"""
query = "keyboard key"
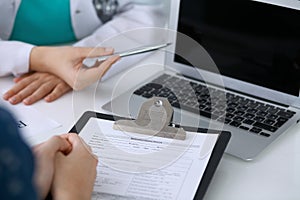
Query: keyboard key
(202, 107)
(230, 110)
(251, 110)
(252, 104)
(229, 115)
(278, 124)
(242, 108)
(261, 113)
(255, 130)
(260, 104)
(265, 134)
(154, 85)
(291, 112)
(285, 114)
(258, 119)
(139, 92)
(232, 105)
(220, 107)
(265, 126)
(239, 113)
(205, 114)
(248, 121)
(269, 122)
(235, 124)
(244, 128)
(238, 119)
(244, 102)
(262, 108)
(249, 115)
(282, 119)
(227, 121)
(147, 95)
(219, 112)
(273, 110)
(272, 117)
(202, 101)
(208, 109)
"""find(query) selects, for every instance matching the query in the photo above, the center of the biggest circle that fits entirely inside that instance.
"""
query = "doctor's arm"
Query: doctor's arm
(63, 62)
(133, 20)
(29, 87)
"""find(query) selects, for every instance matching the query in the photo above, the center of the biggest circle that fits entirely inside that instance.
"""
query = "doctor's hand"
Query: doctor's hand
(33, 86)
(66, 63)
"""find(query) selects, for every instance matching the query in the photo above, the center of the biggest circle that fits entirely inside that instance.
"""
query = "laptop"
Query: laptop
(249, 82)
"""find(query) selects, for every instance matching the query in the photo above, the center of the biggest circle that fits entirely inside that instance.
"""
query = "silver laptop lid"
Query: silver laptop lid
(255, 44)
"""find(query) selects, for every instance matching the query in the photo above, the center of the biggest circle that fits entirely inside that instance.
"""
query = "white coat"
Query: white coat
(88, 28)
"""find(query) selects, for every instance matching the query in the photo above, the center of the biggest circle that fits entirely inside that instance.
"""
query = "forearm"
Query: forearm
(14, 57)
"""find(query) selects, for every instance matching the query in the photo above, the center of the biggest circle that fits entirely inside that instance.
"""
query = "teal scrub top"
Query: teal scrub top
(42, 22)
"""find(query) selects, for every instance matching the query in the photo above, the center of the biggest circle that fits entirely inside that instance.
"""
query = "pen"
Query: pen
(90, 62)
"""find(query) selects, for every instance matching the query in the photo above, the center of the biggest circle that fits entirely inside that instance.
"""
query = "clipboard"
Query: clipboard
(214, 159)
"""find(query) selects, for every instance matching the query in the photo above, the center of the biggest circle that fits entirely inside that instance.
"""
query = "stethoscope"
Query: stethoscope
(106, 9)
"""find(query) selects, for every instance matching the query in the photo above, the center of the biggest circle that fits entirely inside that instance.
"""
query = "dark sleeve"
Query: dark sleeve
(16, 162)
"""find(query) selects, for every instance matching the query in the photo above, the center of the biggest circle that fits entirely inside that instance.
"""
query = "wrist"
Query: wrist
(75, 194)
(37, 59)
(66, 196)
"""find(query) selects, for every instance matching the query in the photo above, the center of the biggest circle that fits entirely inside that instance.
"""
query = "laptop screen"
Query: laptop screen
(251, 41)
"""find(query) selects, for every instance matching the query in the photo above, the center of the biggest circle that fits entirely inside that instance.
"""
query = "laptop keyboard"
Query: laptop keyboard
(234, 110)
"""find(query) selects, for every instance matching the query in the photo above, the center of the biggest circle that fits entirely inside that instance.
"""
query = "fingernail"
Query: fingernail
(109, 49)
(5, 96)
(12, 100)
(47, 99)
(26, 101)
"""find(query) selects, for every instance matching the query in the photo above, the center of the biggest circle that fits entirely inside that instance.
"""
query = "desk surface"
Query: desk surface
(273, 175)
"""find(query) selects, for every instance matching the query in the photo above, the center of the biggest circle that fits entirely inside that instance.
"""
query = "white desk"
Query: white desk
(274, 175)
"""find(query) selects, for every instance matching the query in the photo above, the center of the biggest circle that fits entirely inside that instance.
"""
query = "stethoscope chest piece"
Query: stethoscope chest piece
(106, 9)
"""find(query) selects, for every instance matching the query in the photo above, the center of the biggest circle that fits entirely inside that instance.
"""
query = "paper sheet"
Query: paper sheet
(30, 121)
(135, 166)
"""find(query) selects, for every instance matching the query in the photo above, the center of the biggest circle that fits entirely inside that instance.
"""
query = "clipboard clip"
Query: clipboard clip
(154, 118)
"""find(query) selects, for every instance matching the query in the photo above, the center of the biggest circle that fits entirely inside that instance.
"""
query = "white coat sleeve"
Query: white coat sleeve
(14, 57)
(137, 17)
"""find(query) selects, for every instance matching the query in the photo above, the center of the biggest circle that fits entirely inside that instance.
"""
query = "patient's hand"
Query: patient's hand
(32, 87)
(75, 173)
(45, 156)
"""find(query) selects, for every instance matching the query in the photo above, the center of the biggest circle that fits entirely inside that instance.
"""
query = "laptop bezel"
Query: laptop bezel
(234, 84)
